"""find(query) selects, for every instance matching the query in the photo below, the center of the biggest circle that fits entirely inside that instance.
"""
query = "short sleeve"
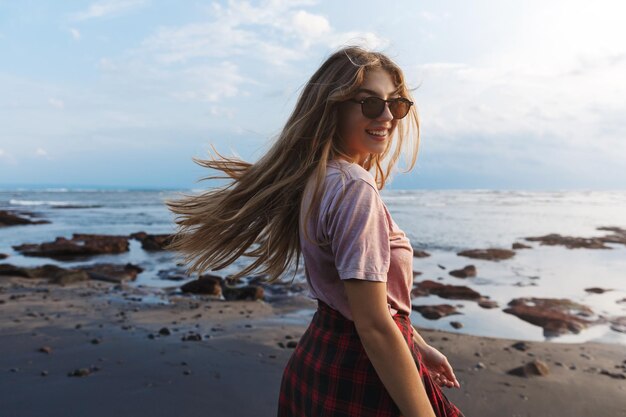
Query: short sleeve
(358, 229)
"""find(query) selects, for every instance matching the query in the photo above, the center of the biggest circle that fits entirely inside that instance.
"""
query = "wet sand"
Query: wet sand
(235, 367)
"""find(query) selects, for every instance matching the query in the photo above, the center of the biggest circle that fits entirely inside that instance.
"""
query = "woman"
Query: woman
(312, 193)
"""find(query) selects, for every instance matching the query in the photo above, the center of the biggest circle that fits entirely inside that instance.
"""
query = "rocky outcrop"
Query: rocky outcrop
(555, 315)
(215, 285)
(420, 254)
(152, 242)
(435, 312)
(618, 236)
(569, 242)
(488, 304)
(491, 254)
(467, 272)
(455, 292)
(11, 218)
(248, 292)
(112, 272)
(205, 284)
(597, 290)
(517, 245)
(54, 274)
(80, 245)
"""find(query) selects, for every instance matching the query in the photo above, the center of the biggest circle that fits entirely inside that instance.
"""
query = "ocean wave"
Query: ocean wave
(51, 203)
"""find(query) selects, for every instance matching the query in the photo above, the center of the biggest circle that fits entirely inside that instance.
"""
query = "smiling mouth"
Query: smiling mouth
(379, 133)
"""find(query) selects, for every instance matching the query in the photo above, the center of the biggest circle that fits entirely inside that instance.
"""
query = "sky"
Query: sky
(524, 95)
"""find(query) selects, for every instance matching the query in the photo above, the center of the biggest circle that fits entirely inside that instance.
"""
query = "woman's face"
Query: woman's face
(361, 136)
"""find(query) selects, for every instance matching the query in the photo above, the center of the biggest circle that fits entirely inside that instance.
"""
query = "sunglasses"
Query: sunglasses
(372, 107)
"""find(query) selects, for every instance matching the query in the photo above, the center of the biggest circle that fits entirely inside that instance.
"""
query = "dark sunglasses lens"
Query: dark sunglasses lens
(399, 108)
(373, 107)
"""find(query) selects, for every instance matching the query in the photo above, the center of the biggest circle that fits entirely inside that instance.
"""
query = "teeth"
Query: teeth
(377, 132)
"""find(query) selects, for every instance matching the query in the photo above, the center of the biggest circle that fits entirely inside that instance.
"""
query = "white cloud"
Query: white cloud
(75, 33)
(7, 158)
(278, 32)
(107, 8)
(56, 103)
(211, 60)
(575, 107)
(211, 83)
(309, 25)
(41, 152)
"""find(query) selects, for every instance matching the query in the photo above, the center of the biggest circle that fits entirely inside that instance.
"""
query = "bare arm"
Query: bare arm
(419, 341)
(386, 348)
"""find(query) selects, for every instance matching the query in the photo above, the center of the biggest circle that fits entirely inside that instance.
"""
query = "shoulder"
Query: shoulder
(342, 174)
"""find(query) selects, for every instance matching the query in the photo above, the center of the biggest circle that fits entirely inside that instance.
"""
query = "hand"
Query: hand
(439, 367)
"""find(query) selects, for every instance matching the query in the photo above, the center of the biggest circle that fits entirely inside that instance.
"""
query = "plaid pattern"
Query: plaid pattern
(330, 375)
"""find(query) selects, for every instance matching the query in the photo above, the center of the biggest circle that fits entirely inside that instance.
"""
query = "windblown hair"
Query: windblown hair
(261, 205)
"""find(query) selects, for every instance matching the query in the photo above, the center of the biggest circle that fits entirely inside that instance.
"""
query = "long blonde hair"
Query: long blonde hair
(261, 205)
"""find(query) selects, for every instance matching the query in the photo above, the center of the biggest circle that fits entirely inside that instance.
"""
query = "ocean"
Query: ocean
(441, 222)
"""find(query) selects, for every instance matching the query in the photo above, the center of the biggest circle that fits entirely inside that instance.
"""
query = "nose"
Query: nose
(386, 114)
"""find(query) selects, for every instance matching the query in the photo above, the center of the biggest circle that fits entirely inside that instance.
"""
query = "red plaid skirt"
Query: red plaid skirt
(329, 373)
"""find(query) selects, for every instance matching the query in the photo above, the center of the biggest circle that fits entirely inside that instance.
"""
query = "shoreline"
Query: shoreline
(231, 362)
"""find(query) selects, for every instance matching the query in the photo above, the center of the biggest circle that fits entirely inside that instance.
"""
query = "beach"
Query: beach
(94, 348)
(96, 318)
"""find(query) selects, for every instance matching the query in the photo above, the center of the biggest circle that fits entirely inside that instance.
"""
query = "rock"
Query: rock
(618, 324)
(164, 331)
(292, 344)
(480, 365)
(534, 368)
(420, 254)
(486, 303)
(622, 301)
(12, 218)
(456, 324)
(466, 272)
(68, 276)
(596, 290)
(615, 375)
(248, 292)
(441, 266)
(80, 372)
(456, 292)
(205, 284)
(3, 256)
(553, 315)
(81, 245)
(517, 246)
(522, 346)
(491, 254)
(618, 236)
(45, 349)
(152, 242)
(416, 273)
(435, 312)
(54, 274)
(44, 271)
(569, 242)
(112, 272)
(192, 337)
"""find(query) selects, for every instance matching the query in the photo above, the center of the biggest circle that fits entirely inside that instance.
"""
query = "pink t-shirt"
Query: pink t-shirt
(365, 241)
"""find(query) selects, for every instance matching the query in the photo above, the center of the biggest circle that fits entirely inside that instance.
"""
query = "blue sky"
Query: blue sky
(123, 93)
